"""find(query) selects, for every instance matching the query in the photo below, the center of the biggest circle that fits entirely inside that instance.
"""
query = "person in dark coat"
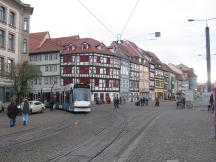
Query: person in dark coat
(12, 112)
(117, 102)
(157, 102)
(146, 101)
(211, 101)
(25, 111)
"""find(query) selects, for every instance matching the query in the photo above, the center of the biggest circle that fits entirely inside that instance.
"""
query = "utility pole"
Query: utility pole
(208, 58)
(208, 55)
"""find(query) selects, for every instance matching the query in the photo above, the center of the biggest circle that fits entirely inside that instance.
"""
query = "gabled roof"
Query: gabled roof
(131, 48)
(167, 68)
(36, 40)
(120, 52)
(175, 69)
(190, 72)
(155, 59)
(41, 42)
(93, 46)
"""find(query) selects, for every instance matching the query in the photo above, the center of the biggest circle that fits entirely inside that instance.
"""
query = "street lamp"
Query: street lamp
(208, 58)
(51, 96)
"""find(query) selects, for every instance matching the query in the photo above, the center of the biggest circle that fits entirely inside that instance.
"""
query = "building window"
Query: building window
(2, 38)
(46, 68)
(25, 24)
(46, 80)
(25, 46)
(2, 14)
(1, 66)
(50, 57)
(46, 57)
(11, 42)
(12, 19)
(55, 56)
(9, 65)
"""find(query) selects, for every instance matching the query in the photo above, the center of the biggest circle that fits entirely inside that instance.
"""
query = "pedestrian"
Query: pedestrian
(51, 105)
(146, 101)
(12, 112)
(25, 111)
(115, 102)
(211, 102)
(157, 102)
(183, 102)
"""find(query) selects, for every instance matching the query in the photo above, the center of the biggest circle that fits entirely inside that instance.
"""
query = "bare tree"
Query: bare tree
(21, 75)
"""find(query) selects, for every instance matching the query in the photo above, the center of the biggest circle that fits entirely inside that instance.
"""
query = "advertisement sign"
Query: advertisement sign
(205, 98)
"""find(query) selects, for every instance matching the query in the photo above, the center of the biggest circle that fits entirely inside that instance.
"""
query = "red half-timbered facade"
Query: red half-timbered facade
(90, 61)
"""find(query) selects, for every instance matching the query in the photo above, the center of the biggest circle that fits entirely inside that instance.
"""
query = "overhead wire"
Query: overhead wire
(101, 22)
(129, 18)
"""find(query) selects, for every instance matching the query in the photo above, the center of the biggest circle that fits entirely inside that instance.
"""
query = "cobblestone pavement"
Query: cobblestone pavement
(179, 135)
(128, 134)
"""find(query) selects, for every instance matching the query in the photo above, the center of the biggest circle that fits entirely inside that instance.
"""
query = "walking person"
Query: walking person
(25, 112)
(211, 102)
(157, 102)
(115, 102)
(12, 112)
(146, 101)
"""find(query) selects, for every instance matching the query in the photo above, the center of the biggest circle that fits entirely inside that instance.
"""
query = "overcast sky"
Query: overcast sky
(180, 42)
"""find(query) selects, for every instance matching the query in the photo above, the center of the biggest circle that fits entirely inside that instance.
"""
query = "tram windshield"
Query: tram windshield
(81, 94)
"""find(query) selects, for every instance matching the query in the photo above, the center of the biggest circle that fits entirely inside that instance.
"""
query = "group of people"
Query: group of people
(142, 102)
(181, 101)
(12, 112)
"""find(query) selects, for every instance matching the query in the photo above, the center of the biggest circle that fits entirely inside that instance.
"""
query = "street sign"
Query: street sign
(157, 34)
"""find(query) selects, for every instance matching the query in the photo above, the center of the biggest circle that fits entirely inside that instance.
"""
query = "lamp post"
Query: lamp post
(51, 96)
(208, 58)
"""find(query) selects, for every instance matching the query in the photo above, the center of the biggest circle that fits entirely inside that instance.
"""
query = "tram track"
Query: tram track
(88, 148)
(84, 151)
(80, 152)
(35, 134)
(130, 137)
(23, 138)
(94, 141)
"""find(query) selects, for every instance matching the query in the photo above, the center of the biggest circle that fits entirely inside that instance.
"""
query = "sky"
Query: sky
(136, 20)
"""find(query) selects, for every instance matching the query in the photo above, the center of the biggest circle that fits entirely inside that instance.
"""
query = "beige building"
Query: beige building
(14, 39)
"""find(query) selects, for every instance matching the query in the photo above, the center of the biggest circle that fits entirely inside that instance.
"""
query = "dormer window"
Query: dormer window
(101, 46)
(85, 46)
(71, 47)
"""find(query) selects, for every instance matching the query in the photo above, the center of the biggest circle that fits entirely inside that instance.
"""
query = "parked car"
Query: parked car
(35, 106)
